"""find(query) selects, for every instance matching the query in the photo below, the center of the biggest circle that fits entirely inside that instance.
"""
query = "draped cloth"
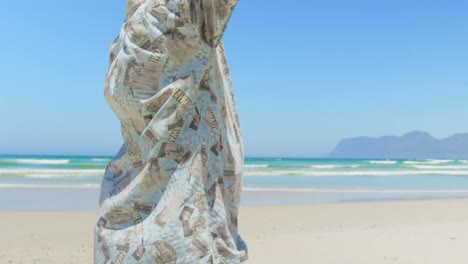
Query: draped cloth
(171, 194)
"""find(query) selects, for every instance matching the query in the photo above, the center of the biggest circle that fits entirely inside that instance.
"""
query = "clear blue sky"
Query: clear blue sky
(306, 73)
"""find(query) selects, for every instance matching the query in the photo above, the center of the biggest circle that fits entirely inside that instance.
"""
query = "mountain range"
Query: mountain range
(412, 145)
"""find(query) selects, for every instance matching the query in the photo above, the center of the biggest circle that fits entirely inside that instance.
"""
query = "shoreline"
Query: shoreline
(83, 199)
(411, 232)
(252, 189)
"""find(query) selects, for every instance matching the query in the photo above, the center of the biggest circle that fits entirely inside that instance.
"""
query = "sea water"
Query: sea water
(276, 180)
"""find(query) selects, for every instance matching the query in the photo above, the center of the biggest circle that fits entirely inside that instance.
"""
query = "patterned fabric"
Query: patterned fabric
(171, 194)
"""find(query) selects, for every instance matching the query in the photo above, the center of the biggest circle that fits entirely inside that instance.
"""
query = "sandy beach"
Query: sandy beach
(426, 232)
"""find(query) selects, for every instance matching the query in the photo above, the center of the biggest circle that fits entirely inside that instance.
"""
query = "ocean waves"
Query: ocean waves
(42, 161)
(69, 173)
(356, 167)
(356, 172)
(52, 167)
(49, 173)
(257, 189)
(69, 167)
(334, 166)
(66, 186)
(464, 191)
(277, 179)
(437, 167)
(255, 165)
(382, 161)
(431, 161)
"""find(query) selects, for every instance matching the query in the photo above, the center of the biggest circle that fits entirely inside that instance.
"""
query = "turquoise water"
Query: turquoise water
(305, 180)
(260, 173)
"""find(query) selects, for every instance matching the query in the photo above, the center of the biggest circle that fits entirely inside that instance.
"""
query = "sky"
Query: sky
(306, 73)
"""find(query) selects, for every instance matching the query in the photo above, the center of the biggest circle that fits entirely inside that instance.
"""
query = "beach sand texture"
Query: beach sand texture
(415, 232)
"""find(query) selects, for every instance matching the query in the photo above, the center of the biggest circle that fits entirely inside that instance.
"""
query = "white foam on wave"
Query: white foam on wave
(255, 165)
(349, 190)
(438, 161)
(99, 159)
(97, 186)
(356, 173)
(42, 161)
(80, 186)
(333, 166)
(413, 162)
(50, 173)
(325, 166)
(440, 167)
(428, 161)
(382, 161)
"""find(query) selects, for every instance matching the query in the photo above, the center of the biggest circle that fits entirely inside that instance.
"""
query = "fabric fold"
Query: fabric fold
(171, 194)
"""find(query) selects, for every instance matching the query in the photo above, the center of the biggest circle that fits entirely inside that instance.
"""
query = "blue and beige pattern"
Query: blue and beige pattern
(171, 194)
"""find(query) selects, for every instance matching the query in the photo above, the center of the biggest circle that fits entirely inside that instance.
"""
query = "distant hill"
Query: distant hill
(412, 145)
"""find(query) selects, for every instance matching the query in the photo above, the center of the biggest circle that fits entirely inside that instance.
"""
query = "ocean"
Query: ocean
(72, 182)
